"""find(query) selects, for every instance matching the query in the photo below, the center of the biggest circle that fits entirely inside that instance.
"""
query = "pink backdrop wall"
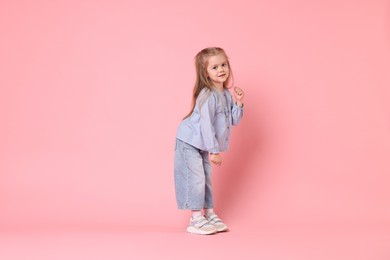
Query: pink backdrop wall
(91, 94)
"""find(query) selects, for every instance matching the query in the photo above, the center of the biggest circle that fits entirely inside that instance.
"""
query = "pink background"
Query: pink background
(91, 93)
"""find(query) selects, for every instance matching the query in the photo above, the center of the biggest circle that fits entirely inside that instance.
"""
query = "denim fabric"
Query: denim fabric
(208, 127)
(192, 177)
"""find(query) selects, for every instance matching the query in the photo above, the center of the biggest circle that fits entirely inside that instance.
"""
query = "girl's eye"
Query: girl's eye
(214, 68)
(224, 65)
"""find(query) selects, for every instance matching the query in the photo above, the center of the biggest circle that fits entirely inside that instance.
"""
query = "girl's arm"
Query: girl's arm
(207, 113)
(238, 109)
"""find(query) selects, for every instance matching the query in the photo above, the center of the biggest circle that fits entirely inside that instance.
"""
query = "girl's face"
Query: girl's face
(218, 70)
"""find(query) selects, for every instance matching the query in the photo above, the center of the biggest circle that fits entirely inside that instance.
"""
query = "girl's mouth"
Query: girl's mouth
(222, 75)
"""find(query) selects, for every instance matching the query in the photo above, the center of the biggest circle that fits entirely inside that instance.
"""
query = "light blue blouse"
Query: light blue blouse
(208, 127)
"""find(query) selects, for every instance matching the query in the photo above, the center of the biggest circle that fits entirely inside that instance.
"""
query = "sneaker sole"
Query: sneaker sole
(193, 230)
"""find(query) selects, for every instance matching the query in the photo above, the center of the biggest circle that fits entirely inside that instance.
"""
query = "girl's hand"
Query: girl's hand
(239, 96)
(216, 159)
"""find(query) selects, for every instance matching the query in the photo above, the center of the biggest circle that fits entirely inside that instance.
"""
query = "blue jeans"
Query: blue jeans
(192, 177)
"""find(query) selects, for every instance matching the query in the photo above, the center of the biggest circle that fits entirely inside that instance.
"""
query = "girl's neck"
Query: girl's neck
(219, 87)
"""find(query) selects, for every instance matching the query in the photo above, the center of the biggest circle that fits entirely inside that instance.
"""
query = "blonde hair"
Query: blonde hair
(202, 80)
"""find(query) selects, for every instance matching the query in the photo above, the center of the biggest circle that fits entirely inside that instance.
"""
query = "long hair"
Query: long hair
(202, 80)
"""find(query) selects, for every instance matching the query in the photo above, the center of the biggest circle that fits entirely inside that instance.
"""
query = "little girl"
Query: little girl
(202, 136)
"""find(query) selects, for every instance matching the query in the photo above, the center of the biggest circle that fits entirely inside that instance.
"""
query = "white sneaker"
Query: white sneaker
(201, 226)
(217, 222)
